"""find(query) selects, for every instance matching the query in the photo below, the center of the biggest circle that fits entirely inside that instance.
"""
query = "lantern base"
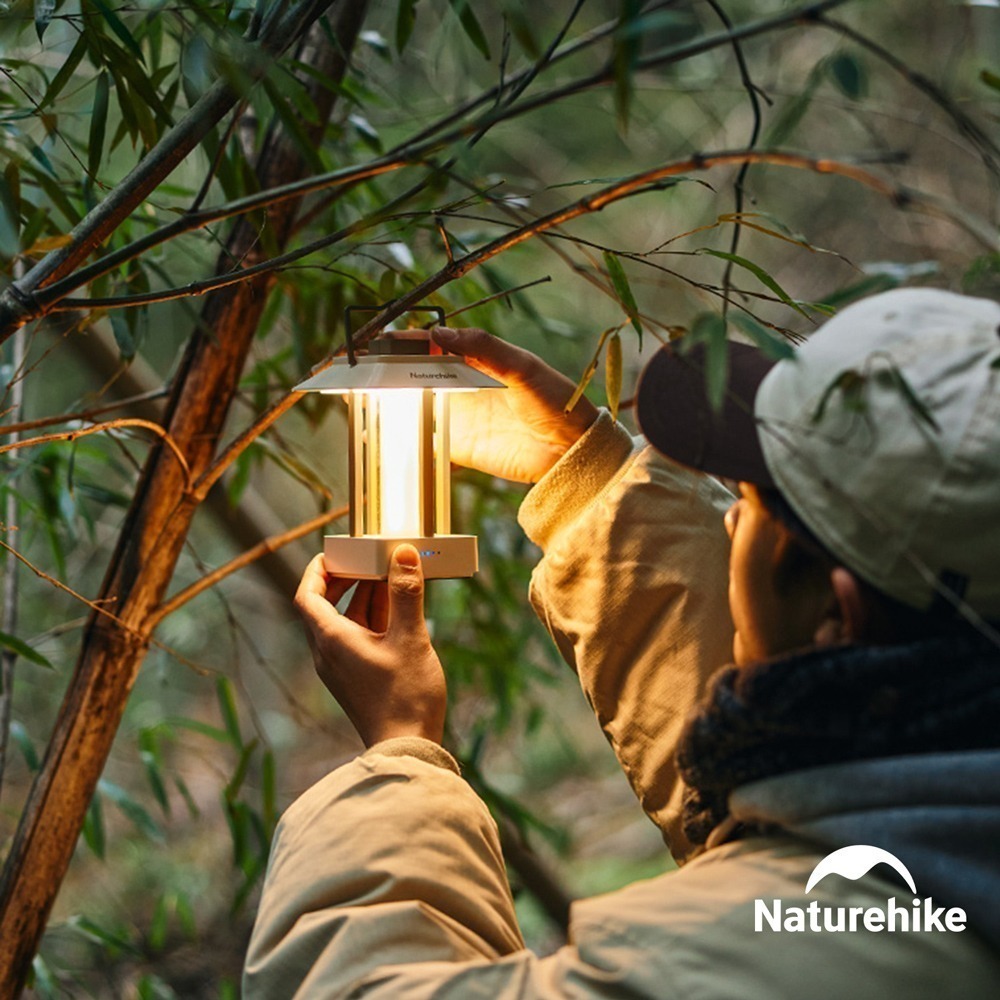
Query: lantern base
(366, 557)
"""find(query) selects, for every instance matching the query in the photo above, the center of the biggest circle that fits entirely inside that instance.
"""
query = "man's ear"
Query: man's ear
(849, 616)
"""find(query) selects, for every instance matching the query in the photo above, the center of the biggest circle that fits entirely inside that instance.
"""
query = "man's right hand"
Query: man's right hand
(516, 433)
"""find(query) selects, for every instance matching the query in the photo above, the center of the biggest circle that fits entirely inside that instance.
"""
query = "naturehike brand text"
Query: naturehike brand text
(422, 375)
(923, 915)
(852, 863)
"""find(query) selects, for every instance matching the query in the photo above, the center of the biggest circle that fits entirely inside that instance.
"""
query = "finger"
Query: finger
(406, 591)
(378, 610)
(317, 589)
(490, 354)
(359, 610)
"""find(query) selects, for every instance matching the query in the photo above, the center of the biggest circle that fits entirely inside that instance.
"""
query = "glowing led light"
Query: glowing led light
(398, 421)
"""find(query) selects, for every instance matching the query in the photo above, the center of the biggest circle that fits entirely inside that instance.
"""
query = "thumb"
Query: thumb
(406, 591)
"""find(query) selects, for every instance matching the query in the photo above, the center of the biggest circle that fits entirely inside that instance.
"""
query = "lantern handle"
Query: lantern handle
(349, 333)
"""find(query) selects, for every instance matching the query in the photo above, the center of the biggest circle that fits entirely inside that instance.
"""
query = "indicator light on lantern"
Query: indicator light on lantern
(399, 466)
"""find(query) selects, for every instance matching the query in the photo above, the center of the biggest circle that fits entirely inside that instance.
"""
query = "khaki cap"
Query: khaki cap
(882, 432)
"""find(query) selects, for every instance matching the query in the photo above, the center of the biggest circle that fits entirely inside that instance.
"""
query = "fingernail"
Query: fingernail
(407, 555)
(445, 336)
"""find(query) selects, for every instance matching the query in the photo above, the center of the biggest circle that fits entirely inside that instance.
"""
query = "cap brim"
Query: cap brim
(676, 417)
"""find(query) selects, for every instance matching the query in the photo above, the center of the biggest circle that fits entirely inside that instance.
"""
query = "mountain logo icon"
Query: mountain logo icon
(856, 861)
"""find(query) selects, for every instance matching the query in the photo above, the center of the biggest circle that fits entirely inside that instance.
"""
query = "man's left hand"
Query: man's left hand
(376, 659)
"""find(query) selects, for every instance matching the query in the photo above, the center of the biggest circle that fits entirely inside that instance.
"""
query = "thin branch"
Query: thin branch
(987, 148)
(241, 274)
(17, 302)
(107, 425)
(59, 585)
(8, 622)
(65, 418)
(739, 185)
(445, 239)
(219, 154)
(265, 547)
(638, 183)
(903, 195)
(26, 300)
(504, 293)
(139, 633)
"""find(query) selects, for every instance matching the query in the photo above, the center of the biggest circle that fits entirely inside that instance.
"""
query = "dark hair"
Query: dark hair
(896, 620)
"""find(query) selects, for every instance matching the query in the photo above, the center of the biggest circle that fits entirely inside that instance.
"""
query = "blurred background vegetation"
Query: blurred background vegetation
(535, 106)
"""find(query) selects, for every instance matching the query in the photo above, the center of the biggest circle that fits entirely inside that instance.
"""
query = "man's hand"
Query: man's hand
(519, 432)
(376, 659)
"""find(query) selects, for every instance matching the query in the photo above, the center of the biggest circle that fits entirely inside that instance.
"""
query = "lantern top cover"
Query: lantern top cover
(398, 371)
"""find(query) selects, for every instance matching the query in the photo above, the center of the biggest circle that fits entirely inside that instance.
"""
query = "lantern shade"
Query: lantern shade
(399, 461)
(389, 371)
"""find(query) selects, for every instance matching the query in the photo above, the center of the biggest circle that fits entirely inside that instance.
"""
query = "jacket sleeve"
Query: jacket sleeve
(386, 881)
(633, 588)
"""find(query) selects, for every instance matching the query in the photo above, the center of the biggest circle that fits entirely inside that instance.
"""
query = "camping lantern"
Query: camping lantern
(399, 476)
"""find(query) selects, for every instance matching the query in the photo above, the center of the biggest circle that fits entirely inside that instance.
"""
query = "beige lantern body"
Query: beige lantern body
(399, 476)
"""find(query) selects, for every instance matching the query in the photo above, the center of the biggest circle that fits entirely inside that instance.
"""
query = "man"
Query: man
(862, 711)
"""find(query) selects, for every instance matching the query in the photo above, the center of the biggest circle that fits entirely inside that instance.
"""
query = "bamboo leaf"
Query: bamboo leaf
(623, 290)
(471, 25)
(139, 817)
(762, 276)
(100, 935)
(47, 243)
(406, 15)
(41, 158)
(186, 795)
(212, 732)
(710, 329)
(20, 736)
(93, 827)
(591, 369)
(10, 193)
(774, 347)
(65, 72)
(54, 190)
(792, 113)
(43, 982)
(990, 79)
(849, 76)
(153, 773)
(123, 334)
(240, 774)
(916, 404)
(98, 123)
(24, 650)
(851, 384)
(227, 705)
(160, 924)
(292, 121)
(44, 9)
(613, 374)
(115, 24)
(185, 915)
(625, 55)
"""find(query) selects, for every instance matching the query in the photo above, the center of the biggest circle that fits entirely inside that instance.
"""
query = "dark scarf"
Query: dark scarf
(831, 706)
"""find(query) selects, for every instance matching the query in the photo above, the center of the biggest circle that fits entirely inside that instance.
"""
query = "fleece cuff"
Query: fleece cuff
(415, 746)
(576, 480)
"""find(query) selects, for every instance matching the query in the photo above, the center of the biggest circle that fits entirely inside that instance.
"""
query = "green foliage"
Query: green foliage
(623, 290)
(225, 725)
(23, 650)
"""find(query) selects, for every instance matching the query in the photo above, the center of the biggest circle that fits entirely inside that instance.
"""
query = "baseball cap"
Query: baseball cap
(882, 432)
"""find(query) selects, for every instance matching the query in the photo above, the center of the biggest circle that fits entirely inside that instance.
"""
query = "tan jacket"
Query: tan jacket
(386, 878)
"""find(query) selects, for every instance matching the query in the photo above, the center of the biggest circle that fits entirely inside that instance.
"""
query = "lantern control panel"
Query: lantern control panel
(367, 557)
